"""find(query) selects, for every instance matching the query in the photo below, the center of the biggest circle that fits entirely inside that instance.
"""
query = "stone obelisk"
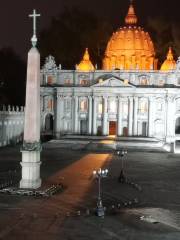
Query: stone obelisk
(31, 143)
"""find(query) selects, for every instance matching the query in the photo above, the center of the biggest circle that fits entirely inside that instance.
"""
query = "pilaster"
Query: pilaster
(151, 117)
(130, 116)
(94, 116)
(105, 116)
(89, 115)
(170, 120)
(59, 115)
(76, 124)
(120, 116)
(135, 122)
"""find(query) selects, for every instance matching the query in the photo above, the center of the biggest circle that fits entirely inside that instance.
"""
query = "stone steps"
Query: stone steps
(105, 144)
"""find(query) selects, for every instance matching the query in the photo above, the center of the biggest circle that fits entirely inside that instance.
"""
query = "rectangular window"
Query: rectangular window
(143, 107)
(100, 108)
(83, 105)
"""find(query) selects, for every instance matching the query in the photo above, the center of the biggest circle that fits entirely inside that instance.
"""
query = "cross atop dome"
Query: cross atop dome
(131, 18)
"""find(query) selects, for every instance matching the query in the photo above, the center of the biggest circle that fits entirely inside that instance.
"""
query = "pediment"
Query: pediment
(113, 82)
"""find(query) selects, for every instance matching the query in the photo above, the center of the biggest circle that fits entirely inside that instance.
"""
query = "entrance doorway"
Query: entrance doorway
(177, 128)
(47, 132)
(112, 128)
(144, 129)
(49, 123)
(83, 127)
(125, 131)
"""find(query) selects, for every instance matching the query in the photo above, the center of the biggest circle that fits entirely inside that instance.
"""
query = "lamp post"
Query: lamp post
(100, 174)
(122, 153)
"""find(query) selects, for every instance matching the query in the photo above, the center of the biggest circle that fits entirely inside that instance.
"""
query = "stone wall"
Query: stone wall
(11, 125)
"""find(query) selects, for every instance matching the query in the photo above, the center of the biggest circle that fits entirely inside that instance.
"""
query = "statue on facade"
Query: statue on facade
(50, 64)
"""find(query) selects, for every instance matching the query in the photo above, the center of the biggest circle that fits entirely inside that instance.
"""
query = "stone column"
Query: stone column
(89, 115)
(151, 117)
(59, 110)
(170, 119)
(120, 117)
(94, 116)
(5, 132)
(8, 131)
(76, 101)
(130, 116)
(105, 117)
(135, 123)
(31, 145)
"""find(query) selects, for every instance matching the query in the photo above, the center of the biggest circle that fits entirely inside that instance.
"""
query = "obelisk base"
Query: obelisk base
(30, 169)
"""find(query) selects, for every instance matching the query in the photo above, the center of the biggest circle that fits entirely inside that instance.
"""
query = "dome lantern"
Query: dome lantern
(131, 18)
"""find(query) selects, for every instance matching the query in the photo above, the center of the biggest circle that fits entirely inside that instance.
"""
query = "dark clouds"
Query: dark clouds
(16, 27)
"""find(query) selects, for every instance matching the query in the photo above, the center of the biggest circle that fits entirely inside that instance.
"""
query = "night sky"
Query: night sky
(16, 27)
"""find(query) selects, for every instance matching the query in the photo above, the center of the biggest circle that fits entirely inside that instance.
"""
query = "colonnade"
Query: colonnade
(92, 115)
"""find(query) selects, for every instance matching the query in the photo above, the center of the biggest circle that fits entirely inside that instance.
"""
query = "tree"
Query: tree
(70, 33)
(165, 34)
(12, 78)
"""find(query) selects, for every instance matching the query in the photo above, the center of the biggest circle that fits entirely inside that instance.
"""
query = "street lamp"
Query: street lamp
(100, 174)
(122, 153)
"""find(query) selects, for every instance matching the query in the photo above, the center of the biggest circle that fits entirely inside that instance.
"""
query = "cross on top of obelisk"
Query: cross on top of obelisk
(34, 38)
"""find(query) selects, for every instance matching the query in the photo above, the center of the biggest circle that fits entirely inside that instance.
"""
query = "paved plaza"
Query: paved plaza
(69, 215)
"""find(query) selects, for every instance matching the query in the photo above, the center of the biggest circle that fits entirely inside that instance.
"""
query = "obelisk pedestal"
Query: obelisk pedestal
(30, 170)
(31, 145)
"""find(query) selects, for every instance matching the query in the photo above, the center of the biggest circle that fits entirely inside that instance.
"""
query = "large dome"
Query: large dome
(130, 47)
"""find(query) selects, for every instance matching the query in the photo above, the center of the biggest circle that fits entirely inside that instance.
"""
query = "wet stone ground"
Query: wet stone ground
(149, 212)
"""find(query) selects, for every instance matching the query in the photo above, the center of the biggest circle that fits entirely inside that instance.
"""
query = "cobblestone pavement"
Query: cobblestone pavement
(69, 215)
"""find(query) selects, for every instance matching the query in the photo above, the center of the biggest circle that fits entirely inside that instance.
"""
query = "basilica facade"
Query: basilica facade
(128, 97)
